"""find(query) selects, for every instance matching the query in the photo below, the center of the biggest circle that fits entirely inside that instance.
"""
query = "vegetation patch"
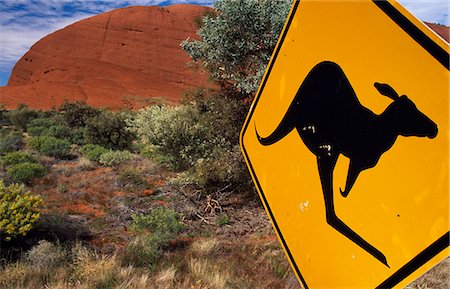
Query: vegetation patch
(15, 158)
(50, 146)
(25, 172)
(18, 210)
(93, 152)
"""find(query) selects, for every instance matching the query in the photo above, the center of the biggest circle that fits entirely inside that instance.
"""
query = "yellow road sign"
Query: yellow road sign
(347, 142)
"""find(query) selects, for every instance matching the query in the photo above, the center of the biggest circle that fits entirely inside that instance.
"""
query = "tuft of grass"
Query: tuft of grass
(204, 247)
(208, 273)
(166, 277)
(222, 220)
(85, 164)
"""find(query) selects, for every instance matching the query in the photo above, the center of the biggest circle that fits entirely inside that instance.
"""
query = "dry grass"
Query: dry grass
(207, 273)
(204, 246)
(206, 264)
(86, 165)
(437, 278)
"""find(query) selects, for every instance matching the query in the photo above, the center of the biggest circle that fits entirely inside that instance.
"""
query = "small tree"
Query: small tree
(237, 42)
(75, 114)
(18, 210)
(109, 130)
(22, 116)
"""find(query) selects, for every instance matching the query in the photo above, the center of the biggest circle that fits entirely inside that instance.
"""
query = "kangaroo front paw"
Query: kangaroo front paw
(343, 193)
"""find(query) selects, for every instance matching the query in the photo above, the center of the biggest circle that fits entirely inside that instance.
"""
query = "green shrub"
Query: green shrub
(226, 115)
(59, 131)
(4, 118)
(110, 130)
(50, 146)
(76, 114)
(92, 151)
(115, 158)
(179, 135)
(45, 122)
(132, 180)
(223, 169)
(143, 251)
(161, 221)
(14, 158)
(18, 210)
(11, 142)
(25, 172)
(22, 116)
(156, 228)
(37, 130)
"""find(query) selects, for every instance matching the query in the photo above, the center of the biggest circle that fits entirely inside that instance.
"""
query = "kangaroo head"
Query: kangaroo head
(404, 115)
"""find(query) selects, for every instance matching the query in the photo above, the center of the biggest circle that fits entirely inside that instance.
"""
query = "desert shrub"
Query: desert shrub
(18, 210)
(10, 142)
(14, 158)
(59, 131)
(143, 251)
(179, 136)
(25, 172)
(41, 121)
(21, 116)
(46, 255)
(156, 228)
(50, 146)
(225, 114)
(164, 222)
(85, 164)
(110, 130)
(226, 168)
(76, 114)
(131, 179)
(36, 130)
(93, 151)
(51, 127)
(4, 118)
(115, 158)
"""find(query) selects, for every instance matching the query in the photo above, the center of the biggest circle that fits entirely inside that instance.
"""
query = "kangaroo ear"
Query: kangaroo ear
(387, 90)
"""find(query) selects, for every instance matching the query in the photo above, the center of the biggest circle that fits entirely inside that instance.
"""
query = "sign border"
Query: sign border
(440, 54)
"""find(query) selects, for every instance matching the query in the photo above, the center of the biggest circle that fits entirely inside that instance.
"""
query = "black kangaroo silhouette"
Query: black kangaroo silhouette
(330, 120)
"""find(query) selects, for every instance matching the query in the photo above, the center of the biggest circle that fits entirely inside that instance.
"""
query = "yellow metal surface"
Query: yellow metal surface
(400, 206)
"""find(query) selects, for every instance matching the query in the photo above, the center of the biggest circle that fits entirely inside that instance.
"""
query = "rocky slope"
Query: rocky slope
(128, 57)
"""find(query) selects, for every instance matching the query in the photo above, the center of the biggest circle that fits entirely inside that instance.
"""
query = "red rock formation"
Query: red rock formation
(129, 57)
(441, 30)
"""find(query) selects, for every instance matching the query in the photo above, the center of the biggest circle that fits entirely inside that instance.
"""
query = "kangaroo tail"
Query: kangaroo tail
(280, 132)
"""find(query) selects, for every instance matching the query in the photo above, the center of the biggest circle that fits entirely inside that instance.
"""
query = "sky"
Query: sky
(24, 22)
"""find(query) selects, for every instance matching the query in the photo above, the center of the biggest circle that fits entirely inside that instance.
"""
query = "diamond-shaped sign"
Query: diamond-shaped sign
(347, 142)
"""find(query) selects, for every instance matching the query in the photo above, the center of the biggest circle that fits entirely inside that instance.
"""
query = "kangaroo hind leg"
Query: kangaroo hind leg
(326, 166)
(353, 172)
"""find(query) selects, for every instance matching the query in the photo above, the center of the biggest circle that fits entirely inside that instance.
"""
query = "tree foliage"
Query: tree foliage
(237, 42)
(109, 130)
(22, 116)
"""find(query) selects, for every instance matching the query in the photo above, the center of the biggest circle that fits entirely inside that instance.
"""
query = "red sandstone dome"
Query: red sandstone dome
(129, 57)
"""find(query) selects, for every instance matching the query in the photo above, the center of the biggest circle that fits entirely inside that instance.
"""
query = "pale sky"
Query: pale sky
(24, 22)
